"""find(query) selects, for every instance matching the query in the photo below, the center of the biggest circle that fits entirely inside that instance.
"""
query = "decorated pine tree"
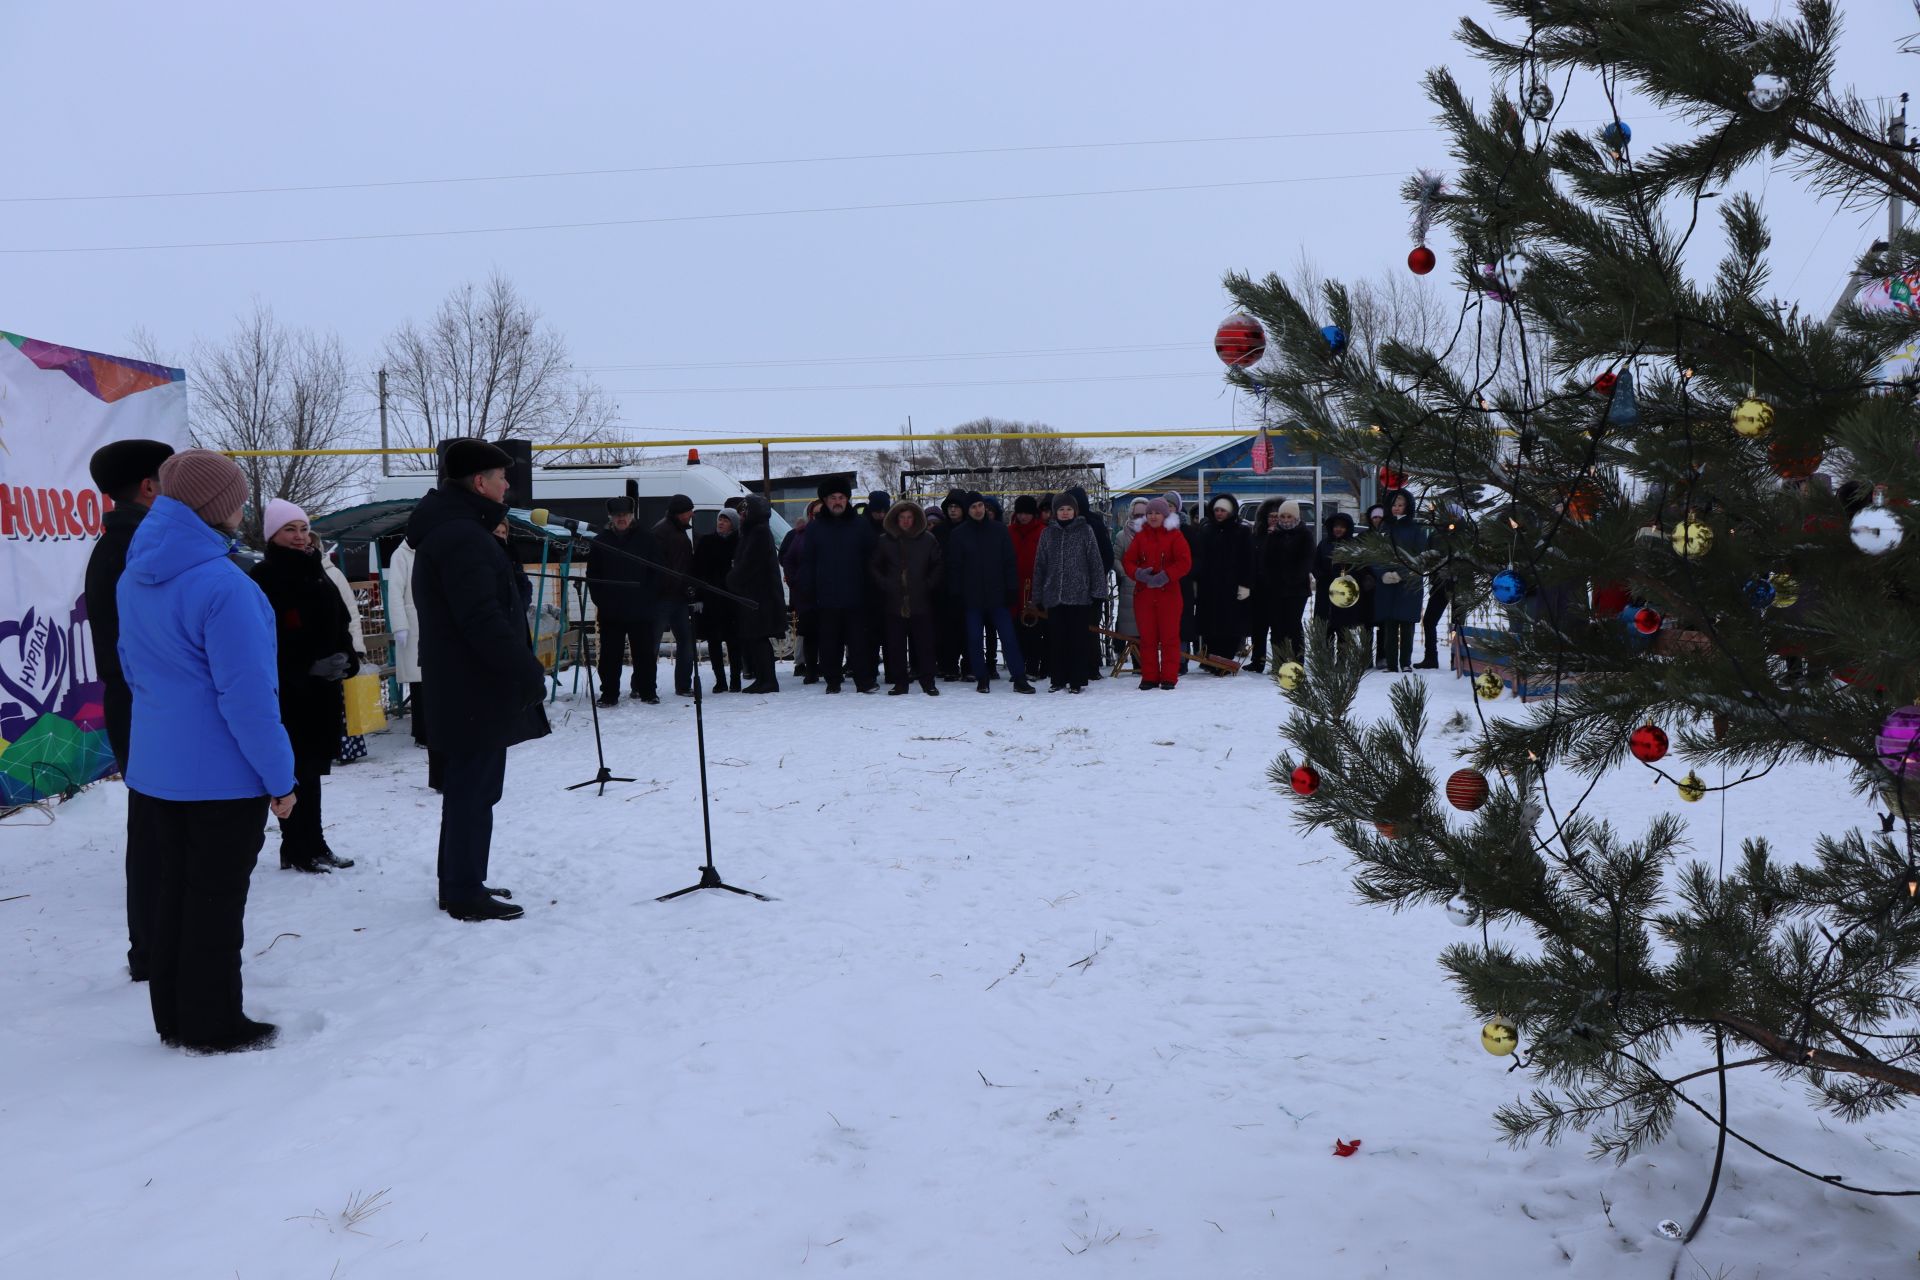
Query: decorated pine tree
(1671, 509)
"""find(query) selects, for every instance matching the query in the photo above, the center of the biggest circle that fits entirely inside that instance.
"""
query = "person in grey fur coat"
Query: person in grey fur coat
(1069, 577)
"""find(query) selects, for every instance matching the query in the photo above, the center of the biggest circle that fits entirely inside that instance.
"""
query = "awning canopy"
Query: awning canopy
(372, 521)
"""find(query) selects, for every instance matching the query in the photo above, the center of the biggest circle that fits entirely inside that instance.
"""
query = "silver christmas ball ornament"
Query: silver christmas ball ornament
(1769, 91)
(1460, 910)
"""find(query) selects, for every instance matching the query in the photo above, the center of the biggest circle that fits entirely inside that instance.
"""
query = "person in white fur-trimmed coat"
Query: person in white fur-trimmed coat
(405, 623)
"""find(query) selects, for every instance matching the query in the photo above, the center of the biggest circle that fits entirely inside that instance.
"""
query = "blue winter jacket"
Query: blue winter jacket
(197, 644)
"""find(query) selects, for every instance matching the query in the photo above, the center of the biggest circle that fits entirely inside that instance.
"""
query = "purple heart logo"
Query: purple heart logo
(33, 661)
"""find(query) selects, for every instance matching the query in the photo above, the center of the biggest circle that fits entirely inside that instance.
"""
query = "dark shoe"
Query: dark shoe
(650, 699)
(1166, 684)
(758, 687)
(811, 679)
(896, 690)
(981, 686)
(1429, 663)
(1023, 686)
(733, 686)
(136, 973)
(249, 1036)
(1254, 667)
(328, 857)
(311, 866)
(719, 686)
(833, 688)
(868, 688)
(485, 909)
(931, 689)
(1076, 688)
(609, 699)
(1149, 684)
(683, 693)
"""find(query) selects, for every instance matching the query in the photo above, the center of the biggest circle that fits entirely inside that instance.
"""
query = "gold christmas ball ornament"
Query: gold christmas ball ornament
(1691, 788)
(1290, 674)
(1786, 592)
(1752, 417)
(1343, 592)
(1692, 538)
(1488, 686)
(1500, 1037)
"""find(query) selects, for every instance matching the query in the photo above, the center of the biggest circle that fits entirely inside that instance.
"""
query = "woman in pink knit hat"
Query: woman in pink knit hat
(316, 652)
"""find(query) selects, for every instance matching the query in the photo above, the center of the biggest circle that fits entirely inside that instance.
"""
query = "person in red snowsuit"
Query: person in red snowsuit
(1157, 559)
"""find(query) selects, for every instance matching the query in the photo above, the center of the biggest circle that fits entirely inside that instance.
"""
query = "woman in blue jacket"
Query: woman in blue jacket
(210, 756)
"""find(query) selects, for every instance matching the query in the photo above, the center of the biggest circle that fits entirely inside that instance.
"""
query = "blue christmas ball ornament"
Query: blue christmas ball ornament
(1509, 587)
(1759, 594)
(1336, 338)
(1617, 135)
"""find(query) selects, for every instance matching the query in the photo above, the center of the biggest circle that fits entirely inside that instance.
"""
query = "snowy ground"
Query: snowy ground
(1052, 987)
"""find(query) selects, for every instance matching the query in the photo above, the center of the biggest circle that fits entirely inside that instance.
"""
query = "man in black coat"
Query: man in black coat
(1283, 582)
(755, 574)
(673, 537)
(983, 574)
(477, 661)
(949, 622)
(838, 546)
(128, 473)
(622, 584)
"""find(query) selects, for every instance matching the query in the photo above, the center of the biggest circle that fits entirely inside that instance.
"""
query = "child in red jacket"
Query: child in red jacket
(1157, 559)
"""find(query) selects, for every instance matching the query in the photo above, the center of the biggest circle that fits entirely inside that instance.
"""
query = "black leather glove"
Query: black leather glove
(332, 667)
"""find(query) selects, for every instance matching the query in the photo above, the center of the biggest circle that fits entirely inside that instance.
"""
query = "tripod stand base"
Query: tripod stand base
(600, 780)
(710, 879)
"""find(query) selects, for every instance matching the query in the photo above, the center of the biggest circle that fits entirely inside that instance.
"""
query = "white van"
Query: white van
(581, 492)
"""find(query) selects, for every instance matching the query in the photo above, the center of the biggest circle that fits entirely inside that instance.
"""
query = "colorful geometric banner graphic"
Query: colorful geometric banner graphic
(57, 405)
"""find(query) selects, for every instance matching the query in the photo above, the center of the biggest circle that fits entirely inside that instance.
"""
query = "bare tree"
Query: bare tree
(269, 387)
(989, 465)
(486, 366)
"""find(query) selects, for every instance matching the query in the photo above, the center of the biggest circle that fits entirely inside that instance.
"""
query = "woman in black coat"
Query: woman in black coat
(907, 570)
(1282, 582)
(712, 561)
(315, 654)
(1336, 622)
(755, 574)
(1223, 573)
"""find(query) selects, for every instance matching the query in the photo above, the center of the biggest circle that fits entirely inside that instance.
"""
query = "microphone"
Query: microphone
(540, 515)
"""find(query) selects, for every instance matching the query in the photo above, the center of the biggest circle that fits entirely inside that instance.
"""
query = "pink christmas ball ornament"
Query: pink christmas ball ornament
(1898, 745)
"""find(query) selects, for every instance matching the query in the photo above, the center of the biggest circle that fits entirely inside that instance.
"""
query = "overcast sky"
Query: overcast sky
(735, 317)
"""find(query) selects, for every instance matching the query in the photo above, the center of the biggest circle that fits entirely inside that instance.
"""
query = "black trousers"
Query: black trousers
(143, 878)
(759, 659)
(1068, 653)
(918, 630)
(1393, 645)
(417, 712)
(843, 642)
(719, 652)
(301, 834)
(1282, 624)
(470, 784)
(1437, 600)
(1033, 645)
(616, 636)
(203, 857)
(950, 636)
(646, 673)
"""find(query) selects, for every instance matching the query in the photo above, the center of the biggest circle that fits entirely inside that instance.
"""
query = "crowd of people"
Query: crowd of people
(224, 701)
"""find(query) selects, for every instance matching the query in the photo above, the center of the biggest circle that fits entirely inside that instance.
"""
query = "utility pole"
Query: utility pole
(386, 462)
(1896, 208)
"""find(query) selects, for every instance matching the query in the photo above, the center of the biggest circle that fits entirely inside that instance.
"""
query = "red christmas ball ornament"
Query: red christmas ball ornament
(1790, 464)
(1388, 830)
(1605, 383)
(1467, 789)
(1647, 621)
(1421, 260)
(1306, 779)
(1648, 743)
(1240, 341)
(1390, 479)
(1610, 600)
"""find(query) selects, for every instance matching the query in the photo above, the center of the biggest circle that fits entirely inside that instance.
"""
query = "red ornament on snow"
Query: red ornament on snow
(1306, 779)
(1605, 383)
(1421, 260)
(1610, 600)
(1240, 341)
(1648, 743)
(1389, 479)
(1467, 789)
(1647, 621)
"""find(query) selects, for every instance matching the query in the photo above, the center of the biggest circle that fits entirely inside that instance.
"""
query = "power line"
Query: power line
(703, 217)
(1029, 353)
(908, 386)
(702, 165)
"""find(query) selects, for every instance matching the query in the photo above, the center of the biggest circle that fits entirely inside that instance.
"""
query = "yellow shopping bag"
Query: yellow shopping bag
(364, 714)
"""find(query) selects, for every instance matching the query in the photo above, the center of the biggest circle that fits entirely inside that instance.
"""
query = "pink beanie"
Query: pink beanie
(280, 514)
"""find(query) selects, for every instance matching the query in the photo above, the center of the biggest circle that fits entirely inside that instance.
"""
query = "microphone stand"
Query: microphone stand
(709, 876)
(606, 775)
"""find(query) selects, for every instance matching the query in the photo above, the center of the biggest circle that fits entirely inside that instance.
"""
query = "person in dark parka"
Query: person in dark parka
(755, 575)
(127, 472)
(712, 559)
(906, 576)
(806, 648)
(478, 662)
(313, 634)
(838, 547)
(950, 626)
(672, 602)
(1223, 568)
(1337, 623)
(624, 590)
(1282, 582)
(983, 578)
(1396, 597)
